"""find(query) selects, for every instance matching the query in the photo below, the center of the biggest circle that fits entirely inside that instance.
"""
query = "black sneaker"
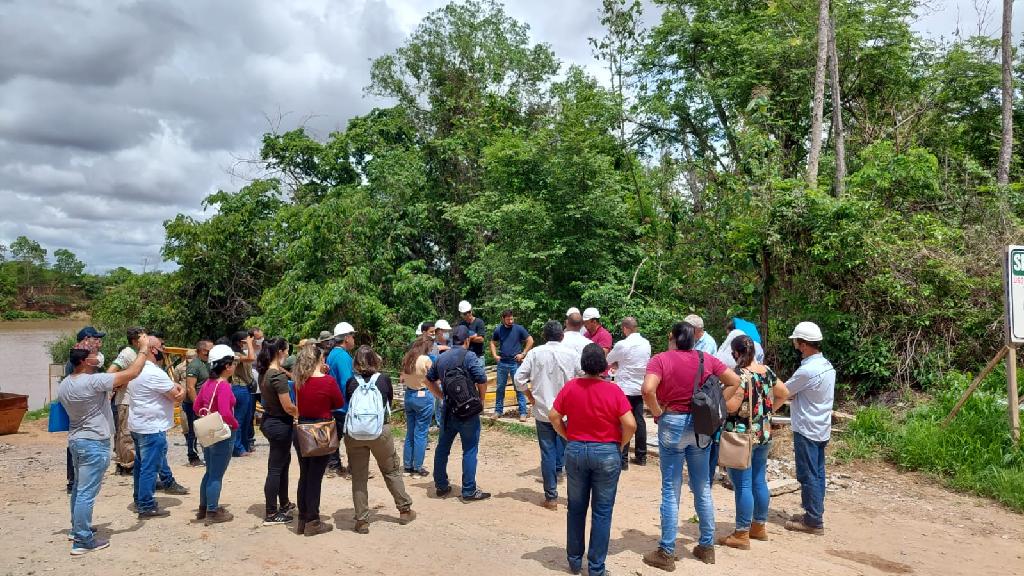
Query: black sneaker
(475, 496)
(154, 513)
(443, 492)
(277, 518)
(175, 489)
(640, 461)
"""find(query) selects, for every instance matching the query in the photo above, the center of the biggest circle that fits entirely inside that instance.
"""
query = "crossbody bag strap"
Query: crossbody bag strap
(213, 397)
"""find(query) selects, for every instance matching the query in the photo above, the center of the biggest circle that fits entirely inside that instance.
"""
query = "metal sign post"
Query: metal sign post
(1013, 279)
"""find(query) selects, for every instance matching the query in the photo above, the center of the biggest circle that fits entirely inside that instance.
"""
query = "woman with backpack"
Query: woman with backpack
(278, 417)
(215, 396)
(419, 405)
(669, 385)
(316, 395)
(750, 409)
(368, 395)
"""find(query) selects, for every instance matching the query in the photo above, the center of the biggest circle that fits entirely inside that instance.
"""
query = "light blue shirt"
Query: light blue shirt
(340, 364)
(706, 344)
(811, 392)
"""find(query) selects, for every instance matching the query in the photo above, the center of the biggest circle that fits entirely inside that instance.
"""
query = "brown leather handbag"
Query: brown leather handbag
(316, 438)
(736, 448)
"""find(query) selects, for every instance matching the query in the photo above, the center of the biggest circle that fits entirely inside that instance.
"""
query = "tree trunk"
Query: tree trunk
(837, 111)
(819, 94)
(1006, 148)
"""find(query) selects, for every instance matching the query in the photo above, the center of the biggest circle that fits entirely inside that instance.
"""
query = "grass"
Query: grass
(39, 414)
(974, 454)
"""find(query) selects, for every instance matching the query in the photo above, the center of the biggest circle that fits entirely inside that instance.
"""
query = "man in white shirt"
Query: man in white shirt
(629, 357)
(574, 337)
(152, 396)
(548, 368)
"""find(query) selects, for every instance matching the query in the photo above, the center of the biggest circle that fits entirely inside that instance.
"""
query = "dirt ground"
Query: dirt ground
(880, 521)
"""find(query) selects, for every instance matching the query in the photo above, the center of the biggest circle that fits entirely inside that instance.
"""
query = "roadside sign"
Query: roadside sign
(1014, 279)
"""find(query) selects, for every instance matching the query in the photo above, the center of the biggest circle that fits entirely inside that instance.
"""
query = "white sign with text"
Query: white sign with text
(1015, 294)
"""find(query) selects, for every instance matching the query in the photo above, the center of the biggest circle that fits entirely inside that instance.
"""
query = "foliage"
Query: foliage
(39, 414)
(67, 264)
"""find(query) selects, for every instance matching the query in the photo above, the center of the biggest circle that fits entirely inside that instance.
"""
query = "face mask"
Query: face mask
(99, 358)
(259, 342)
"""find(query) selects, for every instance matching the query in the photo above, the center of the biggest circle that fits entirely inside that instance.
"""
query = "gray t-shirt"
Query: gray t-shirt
(87, 401)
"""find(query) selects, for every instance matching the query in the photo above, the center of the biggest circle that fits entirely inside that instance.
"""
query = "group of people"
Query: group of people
(588, 397)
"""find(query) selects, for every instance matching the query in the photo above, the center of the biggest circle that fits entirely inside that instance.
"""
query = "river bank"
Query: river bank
(25, 358)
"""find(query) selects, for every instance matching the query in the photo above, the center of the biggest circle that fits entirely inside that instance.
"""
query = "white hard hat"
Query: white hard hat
(464, 307)
(808, 331)
(591, 313)
(343, 328)
(571, 311)
(220, 352)
(442, 325)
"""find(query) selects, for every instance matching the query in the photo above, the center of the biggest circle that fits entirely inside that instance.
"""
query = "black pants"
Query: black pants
(335, 462)
(311, 477)
(278, 432)
(249, 436)
(190, 438)
(640, 438)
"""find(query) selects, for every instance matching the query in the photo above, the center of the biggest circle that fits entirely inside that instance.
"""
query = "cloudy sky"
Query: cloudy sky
(117, 115)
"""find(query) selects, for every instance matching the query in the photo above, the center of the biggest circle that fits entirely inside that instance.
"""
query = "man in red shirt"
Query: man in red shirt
(595, 331)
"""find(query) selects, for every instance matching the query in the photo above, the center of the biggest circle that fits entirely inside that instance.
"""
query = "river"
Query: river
(25, 358)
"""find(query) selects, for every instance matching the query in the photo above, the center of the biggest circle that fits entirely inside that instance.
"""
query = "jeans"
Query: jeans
(150, 463)
(468, 432)
(751, 489)
(593, 470)
(507, 369)
(677, 443)
(640, 438)
(552, 457)
(713, 459)
(383, 450)
(311, 478)
(418, 412)
(242, 401)
(438, 411)
(217, 457)
(90, 459)
(810, 472)
(190, 438)
(278, 432)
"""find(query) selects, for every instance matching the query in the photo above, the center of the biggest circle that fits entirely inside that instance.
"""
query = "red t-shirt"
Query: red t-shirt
(592, 407)
(678, 369)
(602, 338)
(318, 396)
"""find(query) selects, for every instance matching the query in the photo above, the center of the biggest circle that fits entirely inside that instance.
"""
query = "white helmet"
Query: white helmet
(220, 352)
(808, 331)
(571, 311)
(442, 325)
(591, 314)
(343, 328)
(464, 307)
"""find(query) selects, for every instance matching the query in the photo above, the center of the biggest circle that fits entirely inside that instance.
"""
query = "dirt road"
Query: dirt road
(881, 522)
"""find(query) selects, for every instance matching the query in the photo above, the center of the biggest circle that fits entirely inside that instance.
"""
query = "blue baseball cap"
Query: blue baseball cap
(90, 332)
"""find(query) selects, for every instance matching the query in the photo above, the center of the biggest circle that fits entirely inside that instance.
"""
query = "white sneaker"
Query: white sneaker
(97, 544)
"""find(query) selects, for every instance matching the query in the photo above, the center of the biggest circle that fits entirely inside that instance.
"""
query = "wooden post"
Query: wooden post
(1011, 390)
(974, 385)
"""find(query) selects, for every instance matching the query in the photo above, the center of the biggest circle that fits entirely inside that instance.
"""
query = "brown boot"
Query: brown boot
(758, 531)
(361, 527)
(315, 527)
(705, 554)
(799, 526)
(406, 516)
(740, 539)
(300, 527)
(660, 559)
(220, 515)
(201, 513)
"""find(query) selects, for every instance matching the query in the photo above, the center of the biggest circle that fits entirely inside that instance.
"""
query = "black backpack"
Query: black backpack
(708, 405)
(461, 396)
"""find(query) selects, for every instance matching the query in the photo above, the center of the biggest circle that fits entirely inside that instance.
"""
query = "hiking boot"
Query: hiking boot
(406, 516)
(550, 504)
(316, 527)
(705, 554)
(800, 526)
(661, 560)
(122, 470)
(277, 518)
(443, 492)
(201, 513)
(195, 462)
(97, 544)
(476, 496)
(175, 489)
(361, 527)
(740, 539)
(154, 513)
(300, 527)
(218, 516)
(758, 531)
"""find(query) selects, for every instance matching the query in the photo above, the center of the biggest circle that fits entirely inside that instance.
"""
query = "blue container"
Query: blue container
(59, 419)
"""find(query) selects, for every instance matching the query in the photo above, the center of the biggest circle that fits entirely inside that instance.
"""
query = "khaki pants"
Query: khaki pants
(124, 447)
(383, 450)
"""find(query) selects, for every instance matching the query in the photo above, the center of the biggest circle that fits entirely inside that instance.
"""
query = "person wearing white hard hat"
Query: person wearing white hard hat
(476, 329)
(339, 361)
(441, 334)
(811, 393)
(597, 333)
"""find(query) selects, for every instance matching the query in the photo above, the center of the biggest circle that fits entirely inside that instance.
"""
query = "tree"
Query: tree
(1006, 51)
(28, 251)
(817, 105)
(838, 134)
(67, 265)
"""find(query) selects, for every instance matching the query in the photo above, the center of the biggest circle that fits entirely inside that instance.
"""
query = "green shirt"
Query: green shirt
(200, 371)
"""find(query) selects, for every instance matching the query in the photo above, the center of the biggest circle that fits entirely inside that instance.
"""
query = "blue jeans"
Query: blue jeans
(713, 449)
(677, 443)
(438, 411)
(810, 472)
(242, 401)
(468, 432)
(90, 459)
(507, 369)
(217, 457)
(418, 412)
(552, 457)
(751, 489)
(593, 470)
(150, 464)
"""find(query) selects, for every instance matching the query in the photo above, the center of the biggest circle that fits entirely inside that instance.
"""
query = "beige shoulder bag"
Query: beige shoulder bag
(736, 448)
